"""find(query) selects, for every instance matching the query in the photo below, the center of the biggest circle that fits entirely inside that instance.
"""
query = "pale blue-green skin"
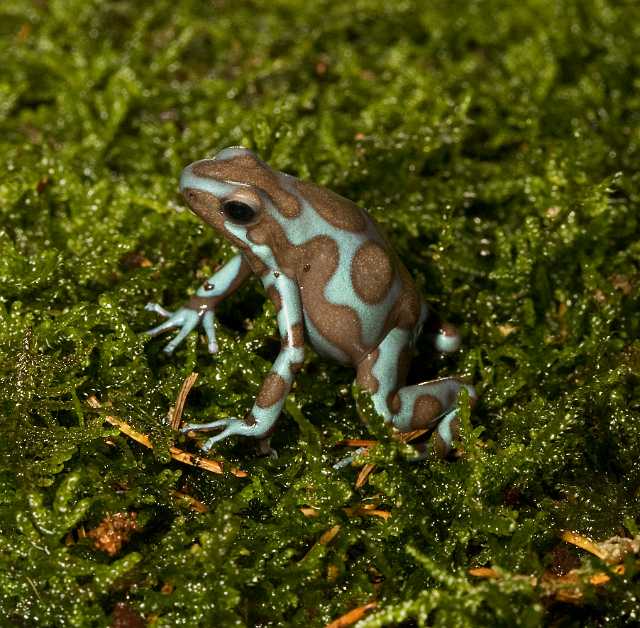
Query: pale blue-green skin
(338, 290)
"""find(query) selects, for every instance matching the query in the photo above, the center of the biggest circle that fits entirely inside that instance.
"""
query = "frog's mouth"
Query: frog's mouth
(201, 203)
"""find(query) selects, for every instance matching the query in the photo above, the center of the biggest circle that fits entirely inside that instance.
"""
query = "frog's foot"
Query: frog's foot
(186, 320)
(446, 339)
(443, 335)
(232, 427)
(431, 405)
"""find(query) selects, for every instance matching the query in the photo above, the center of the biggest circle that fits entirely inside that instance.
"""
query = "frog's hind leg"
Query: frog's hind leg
(383, 373)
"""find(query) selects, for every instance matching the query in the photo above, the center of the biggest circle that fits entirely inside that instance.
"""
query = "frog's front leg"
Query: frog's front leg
(261, 420)
(200, 308)
(426, 405)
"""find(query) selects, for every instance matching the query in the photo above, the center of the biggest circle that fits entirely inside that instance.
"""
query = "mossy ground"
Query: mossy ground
(498, 143)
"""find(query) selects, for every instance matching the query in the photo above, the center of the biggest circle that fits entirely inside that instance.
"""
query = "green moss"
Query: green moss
(498, 144)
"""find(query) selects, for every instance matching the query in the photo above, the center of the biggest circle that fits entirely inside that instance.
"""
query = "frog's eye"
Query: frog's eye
(239, 212)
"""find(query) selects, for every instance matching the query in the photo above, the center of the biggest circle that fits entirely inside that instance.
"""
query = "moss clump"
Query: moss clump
(497, 142)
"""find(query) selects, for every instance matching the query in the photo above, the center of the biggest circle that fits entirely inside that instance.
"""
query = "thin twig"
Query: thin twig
(366, 511)
(357, 442)
(176, 415)
(584, 543)
(368, 468)
(483, 572)
(325, 539)
(365, 472)
(194, 503)
(352, 616)
(214, 466)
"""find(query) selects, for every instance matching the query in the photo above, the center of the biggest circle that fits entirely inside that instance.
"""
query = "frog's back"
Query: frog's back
(354, 288)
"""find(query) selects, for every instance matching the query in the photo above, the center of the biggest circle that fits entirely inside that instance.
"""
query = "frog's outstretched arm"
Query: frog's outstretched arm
(200, 308)
(260, 422)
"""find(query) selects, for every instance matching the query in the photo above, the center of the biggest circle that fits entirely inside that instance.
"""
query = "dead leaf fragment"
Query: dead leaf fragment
(364, 474)
(620, 282)
(483, 572)
(325, 539)
(176, 414)
(507, 329)
(113, 532)
(583, 542)
(193, 503)
(124, 616)
(352, 616)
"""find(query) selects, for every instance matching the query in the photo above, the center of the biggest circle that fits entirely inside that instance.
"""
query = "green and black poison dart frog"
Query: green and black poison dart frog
(334, 281)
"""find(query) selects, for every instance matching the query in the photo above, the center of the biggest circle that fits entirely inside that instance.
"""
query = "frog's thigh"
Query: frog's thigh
(383, 373)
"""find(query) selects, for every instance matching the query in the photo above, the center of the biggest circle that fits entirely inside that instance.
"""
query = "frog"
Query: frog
(336, 284)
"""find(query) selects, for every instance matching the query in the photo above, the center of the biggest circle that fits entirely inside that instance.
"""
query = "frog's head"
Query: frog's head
(221, 192)
(240, 196)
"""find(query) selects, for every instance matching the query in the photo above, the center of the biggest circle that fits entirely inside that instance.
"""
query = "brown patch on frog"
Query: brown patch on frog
(371, 272)
(365, 377)
(273, 389)
(297, 335)
(405, 312)
(425, 409)
(204, 204)
(202, 304)
(338, 324)
(248, 169)
(258, 267)
(394, 402)
(439, 446)
(274, 297)
(295, 367)
(268, 232)
(250, 420)
(335, 209)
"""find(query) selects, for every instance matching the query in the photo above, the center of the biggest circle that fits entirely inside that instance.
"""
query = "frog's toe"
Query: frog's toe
(160, 329)
(208, 322)
(157, 309)
(234, 427)
(227, 431)
(347, 460)
(179, 337)
(204, 427)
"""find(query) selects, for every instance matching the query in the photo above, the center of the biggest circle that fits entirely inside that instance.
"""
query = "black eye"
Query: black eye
(238, 211)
